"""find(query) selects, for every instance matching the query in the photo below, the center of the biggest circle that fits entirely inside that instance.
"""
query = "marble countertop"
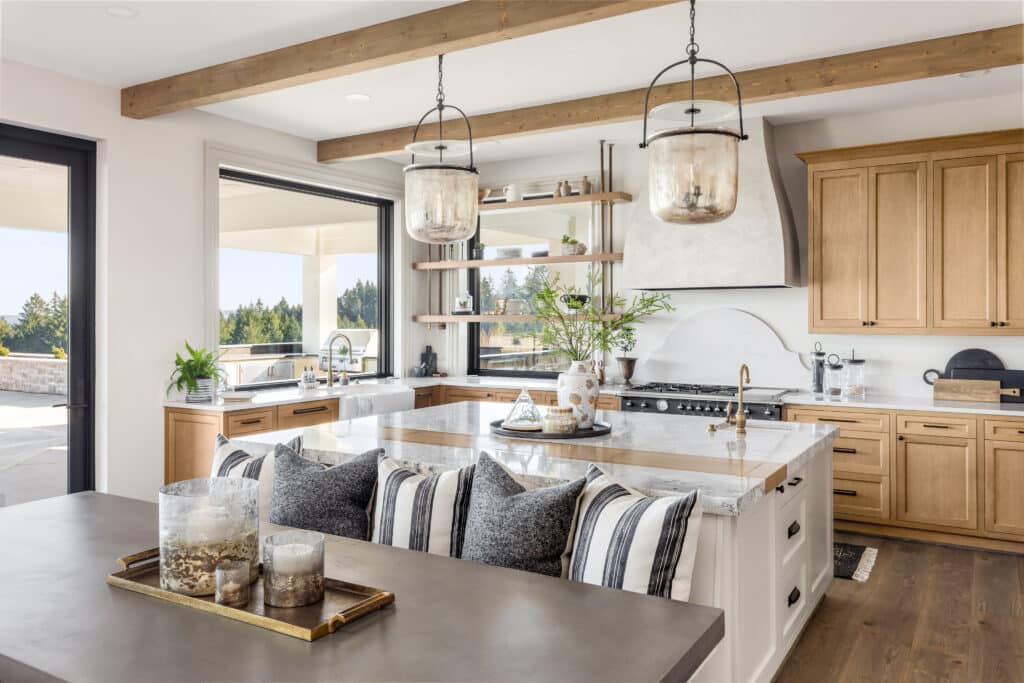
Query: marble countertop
(910, 403)
(645, 451)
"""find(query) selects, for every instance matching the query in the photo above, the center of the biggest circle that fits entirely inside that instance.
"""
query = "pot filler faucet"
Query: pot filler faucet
(331, 339)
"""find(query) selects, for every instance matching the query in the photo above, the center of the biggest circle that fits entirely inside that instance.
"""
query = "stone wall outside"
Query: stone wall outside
(35, 374)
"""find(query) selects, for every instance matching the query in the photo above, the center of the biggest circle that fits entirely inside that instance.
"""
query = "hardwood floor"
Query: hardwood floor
(928, 613)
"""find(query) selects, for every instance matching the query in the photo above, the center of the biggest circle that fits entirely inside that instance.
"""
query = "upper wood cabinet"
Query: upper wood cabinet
(918, 237)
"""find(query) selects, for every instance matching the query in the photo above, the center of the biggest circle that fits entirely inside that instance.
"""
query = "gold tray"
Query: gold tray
(343, 602)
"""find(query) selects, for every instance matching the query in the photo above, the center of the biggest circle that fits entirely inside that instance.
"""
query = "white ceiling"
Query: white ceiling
(81, 39)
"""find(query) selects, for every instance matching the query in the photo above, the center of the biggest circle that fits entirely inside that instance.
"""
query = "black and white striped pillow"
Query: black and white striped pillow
(421, 511)
(231, 461)
(638, 543)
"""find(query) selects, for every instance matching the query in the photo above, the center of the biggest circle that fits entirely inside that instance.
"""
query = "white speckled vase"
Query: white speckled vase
(578, 389)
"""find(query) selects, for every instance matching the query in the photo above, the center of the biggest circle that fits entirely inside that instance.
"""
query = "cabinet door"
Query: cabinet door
(1011, 241)
(190, 437)
(936, 481)
(1004, 472)
(839, 249)
(897, 249)
(964, 242)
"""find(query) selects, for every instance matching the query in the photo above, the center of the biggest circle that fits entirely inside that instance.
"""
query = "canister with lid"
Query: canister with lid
(817, 369)
(854, 384)
(834, 378)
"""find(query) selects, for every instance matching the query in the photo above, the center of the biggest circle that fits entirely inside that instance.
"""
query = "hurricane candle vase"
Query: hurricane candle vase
(233, 583)
(293, 569)
(204, 522)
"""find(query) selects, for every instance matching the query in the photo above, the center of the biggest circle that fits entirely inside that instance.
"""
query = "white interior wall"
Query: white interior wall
(896, 361)
(151, 244)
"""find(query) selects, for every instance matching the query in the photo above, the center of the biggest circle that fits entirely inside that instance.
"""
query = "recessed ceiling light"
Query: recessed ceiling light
(357, 97)
(122, 12)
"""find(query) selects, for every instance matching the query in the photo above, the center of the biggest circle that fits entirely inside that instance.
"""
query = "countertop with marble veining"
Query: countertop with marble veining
(646, 451)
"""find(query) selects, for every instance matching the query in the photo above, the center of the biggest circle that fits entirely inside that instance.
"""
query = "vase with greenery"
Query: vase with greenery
(625, 341)
(590, 325)
(196, 374)
(477, 252)
(572, 246)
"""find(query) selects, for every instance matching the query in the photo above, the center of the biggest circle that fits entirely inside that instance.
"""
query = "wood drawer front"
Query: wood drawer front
(250, 422)
(1004, 430)
(861, 453)
(307, 414)
(426, 397)
(1004, 474)
(459, 394)
(864, 497)
(857, 420)
(609, 402)
(936, 425)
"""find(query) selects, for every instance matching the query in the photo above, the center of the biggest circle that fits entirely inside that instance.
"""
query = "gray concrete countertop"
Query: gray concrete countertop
(452, 619)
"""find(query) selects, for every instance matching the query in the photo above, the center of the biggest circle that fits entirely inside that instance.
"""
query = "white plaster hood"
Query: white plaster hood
(755, 247)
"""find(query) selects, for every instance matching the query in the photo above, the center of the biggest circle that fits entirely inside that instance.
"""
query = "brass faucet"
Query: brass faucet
(333, 337)
(740, 420)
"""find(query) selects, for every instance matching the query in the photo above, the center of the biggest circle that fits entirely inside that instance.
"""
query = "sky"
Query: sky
(247, 275)
(31, 261)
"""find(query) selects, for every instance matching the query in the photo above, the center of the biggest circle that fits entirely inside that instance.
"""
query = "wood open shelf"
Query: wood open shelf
(521, 261)
(489, 318)
(558, 201)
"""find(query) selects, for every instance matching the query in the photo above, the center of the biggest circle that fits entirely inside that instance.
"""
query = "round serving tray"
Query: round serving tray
(599, 429)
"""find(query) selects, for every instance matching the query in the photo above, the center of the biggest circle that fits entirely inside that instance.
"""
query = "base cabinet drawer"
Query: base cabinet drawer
(1004, 481)
(458, 394)
(250, 422)
(307, 414)
(1004, 430)
(861, 453)
(856, 420)
(936, 425)
(426, 397)
(861, 497)
(607, 402)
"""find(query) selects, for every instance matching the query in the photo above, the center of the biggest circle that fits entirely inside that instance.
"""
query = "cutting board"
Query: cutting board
(987, 390)
(1013, 379)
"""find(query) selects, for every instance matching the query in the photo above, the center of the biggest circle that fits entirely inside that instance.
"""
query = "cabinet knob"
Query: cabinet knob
(864, 323)
(899, 437)
(1002, 323)
(992, 323)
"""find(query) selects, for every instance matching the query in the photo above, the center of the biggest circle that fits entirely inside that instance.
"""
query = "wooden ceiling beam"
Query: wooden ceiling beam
(944, 56)
(427, 34)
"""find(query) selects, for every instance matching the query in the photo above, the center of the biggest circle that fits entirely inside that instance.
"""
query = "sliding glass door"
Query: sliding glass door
(47, 328)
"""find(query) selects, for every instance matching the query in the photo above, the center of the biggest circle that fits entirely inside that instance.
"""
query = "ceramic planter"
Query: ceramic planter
(578, 389)
(203, 392)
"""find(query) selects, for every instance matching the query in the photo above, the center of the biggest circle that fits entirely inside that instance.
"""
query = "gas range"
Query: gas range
(759, 403)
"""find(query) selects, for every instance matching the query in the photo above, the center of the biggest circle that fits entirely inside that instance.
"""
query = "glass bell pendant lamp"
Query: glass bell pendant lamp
(441, 198)
(693, 170)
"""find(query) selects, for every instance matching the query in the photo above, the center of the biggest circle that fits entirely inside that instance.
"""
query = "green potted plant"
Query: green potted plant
(196, 374)
(625, 341)
(477, 252)
(572, 246)
(579, 331)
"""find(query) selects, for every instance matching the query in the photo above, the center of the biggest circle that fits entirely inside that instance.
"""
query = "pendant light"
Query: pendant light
(693, 170)
(441, 198)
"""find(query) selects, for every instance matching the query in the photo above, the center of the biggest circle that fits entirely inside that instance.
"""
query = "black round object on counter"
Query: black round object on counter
(599, 429)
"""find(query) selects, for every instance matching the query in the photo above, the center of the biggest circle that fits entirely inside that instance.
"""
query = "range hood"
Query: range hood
(755, 247)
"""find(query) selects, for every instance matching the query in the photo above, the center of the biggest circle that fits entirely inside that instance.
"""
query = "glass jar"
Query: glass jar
(204, 522)
(441, 204)
(817, 369)
(293, 568)
(693, 174)
(560, 421)
(232, 582)
(835, 385)
(855, 386)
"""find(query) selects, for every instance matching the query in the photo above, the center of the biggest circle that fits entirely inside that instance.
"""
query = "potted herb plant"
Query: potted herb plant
(583, 330)
(196, 374)
(572, 246)
(477, 252)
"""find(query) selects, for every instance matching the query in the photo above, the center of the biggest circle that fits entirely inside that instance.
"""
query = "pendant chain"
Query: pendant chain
(692, 47)
(440, 78)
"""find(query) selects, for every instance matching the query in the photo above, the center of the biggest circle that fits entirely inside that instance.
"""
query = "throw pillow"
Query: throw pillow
(639, 543)
(230, 460)
(517, 526)
(420, 511)
(333, 500)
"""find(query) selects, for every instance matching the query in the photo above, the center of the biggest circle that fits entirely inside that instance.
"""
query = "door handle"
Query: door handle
(304, 411)
(844, 492)
(795, 481)
(836, 419)
(899, 437)
(935, 426)
(839, 449)
(793, 530)
(794, 597)
(255, 421)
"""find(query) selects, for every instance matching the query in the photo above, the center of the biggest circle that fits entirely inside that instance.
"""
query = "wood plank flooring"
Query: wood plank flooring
(928, 613)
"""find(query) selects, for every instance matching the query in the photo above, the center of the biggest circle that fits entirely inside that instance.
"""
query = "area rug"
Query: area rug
(853, 561)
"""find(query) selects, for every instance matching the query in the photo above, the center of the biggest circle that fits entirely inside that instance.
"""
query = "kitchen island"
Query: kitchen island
(765, 547)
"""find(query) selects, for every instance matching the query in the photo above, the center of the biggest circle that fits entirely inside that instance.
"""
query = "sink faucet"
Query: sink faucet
(331, 338)
(741, 417)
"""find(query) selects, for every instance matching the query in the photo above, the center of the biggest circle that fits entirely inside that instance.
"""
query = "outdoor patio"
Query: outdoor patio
(33, 447)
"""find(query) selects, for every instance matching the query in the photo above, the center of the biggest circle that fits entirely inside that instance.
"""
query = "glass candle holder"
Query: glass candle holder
(293, 568)
(204, 522)
(232, 582)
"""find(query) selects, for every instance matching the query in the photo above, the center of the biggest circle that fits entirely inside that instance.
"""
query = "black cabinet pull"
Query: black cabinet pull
(780, 488)
(844, 492)
(864, 323)
(836, 419)
(900, 437)
(251, 422)
(794, 597)
(935, 426)
(839, 449)
(304, 411)
(992, 323)
(793, 530)
(1020, 431)
(795, 481)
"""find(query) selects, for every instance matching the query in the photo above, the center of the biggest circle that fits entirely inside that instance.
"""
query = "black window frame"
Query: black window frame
(385, 224)
(473, 329)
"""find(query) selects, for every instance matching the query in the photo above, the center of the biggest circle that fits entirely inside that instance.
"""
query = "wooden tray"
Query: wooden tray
(599, 429)
(343, 602)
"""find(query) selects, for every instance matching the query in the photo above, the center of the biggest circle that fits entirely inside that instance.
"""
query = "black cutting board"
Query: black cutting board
(976, 359)
(1008, 379)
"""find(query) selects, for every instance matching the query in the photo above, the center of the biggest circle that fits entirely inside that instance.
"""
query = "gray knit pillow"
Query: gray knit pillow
(509, 525)
(333, 500)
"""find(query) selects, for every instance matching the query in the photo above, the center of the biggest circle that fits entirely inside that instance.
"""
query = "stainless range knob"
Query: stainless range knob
(689, 406)
(746, 411)
(629, 404)
(768, 412)
(644, 404)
